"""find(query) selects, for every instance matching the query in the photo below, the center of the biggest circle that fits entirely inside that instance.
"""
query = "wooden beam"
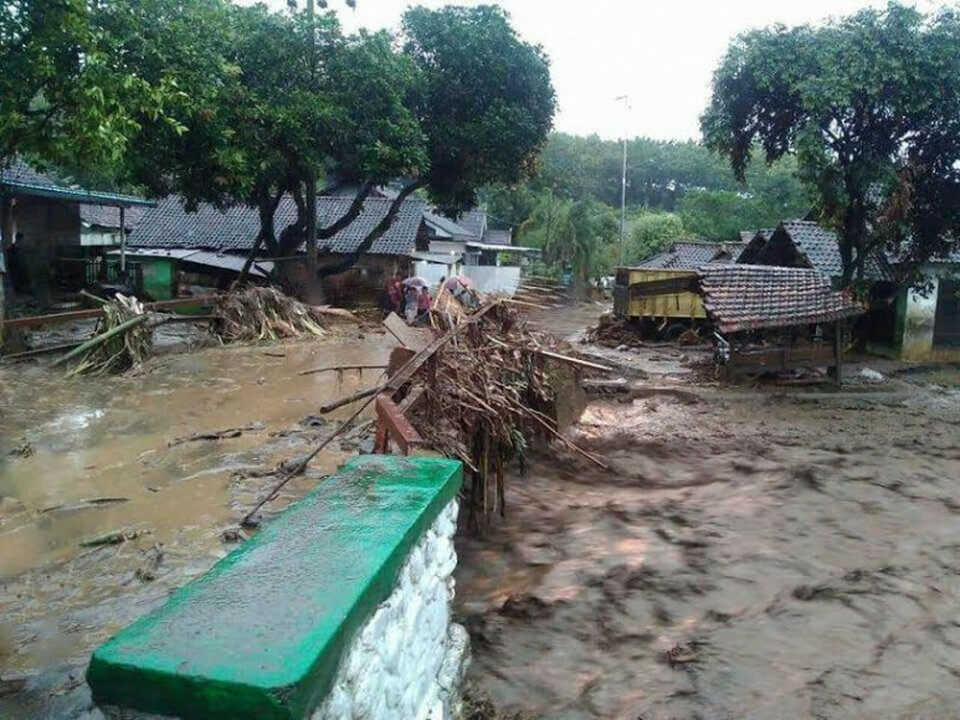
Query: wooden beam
(87, 313)
(391, 417)
(669, 286)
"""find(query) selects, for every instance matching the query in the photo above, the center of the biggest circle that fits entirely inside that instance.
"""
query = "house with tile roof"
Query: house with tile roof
(232, 231)
(55, 234)
(922, 324)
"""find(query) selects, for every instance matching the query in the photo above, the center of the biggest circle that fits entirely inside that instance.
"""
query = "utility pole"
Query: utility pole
(623, 178)
(311, 175)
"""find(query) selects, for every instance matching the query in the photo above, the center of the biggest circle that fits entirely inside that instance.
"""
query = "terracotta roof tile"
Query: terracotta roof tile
(749, 297)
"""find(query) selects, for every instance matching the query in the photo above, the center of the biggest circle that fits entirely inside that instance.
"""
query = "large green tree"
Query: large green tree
(459, 102)
(870, 107)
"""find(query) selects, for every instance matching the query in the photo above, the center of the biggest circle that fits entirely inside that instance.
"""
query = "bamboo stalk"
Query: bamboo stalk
(100, 339)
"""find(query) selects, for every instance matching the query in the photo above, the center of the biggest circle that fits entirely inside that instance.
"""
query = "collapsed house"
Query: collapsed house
(911, 324)
(766, 318)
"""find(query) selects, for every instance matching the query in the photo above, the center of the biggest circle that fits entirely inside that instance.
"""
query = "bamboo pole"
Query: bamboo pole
(100, 339)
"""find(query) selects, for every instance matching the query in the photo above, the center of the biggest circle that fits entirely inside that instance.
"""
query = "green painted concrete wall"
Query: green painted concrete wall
(158, 277)
(260, 636)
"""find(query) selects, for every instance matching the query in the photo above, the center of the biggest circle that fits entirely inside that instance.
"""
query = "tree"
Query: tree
(870, 107)
(60, 96)
(572, 235)
(460, 103)
(652, 233)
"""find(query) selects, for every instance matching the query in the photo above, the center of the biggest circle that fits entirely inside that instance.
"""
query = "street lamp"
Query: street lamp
(625, 99)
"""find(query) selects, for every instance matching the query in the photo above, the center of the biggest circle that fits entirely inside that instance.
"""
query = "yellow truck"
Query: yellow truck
(663, 316)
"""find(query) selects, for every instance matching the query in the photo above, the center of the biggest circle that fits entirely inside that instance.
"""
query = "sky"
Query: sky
(661, 55)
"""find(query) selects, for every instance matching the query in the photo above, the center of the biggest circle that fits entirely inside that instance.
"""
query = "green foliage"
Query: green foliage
(651, 233)
(870, 107)
(61, 96)
(659, 172)
(483, 98)
(577, 235)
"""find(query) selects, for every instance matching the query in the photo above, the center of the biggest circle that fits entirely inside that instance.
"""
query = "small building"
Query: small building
(227, 236)
(689, 255)
(928, 317)
(54, 236)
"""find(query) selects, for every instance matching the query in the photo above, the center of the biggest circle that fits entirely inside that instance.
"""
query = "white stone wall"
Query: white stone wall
(407, 661)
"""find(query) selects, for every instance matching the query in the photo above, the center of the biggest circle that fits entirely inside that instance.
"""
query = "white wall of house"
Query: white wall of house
(490, 279)
(918, 323)
(919, 319)
(433, 272)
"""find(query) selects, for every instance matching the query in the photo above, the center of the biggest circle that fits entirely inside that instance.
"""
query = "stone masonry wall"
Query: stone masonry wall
(407, 661)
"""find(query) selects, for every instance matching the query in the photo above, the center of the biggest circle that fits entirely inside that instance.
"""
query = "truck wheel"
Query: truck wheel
(674, 330)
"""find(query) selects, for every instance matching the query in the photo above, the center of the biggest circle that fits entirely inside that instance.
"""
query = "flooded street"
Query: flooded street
(98, 456)
(752, 553)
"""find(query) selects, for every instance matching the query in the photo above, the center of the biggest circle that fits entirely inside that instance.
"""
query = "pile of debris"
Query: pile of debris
(256, 313)
(122, 339)
(486, 396)
(614, 332)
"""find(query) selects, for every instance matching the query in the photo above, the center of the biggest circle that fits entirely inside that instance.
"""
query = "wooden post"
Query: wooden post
(838, 352)
(123, 243)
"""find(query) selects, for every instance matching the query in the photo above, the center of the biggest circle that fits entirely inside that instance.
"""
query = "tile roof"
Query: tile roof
(691, 255)
(22, 179)
(821, 248)
(109, 217)
(748, 297)
(474, 222)
(235, 228)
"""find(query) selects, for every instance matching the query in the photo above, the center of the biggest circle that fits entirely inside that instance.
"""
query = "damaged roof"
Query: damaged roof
(691, 255)
(750, 297)
(170, 225)
(804, 243)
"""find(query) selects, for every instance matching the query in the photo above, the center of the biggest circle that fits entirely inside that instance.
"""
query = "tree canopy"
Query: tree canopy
(276, 97)
(59, 95)
(870, 107)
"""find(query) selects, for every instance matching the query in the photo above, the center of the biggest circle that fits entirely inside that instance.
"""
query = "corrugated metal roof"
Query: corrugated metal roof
(221, 261)
(445, 225)
(750, 297)
(21, 179)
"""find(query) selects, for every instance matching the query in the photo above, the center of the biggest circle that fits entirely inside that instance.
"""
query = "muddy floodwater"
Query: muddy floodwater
(749, 553)
(85, 458)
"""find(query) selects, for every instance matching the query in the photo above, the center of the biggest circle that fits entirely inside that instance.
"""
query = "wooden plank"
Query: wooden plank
(399, 428)
(668, 286)
(87, 313)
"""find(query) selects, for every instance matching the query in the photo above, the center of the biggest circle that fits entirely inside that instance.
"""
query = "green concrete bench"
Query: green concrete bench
(261, 635)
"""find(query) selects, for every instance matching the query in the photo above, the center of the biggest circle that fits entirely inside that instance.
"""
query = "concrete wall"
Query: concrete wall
(489, 279)
(918, 321)
(408, 660)
(432, 272)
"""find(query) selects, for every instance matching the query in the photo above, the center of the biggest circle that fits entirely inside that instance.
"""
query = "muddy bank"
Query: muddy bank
(83, 459)
(762, 554)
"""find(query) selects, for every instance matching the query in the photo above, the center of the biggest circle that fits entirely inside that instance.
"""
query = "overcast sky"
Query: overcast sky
(660, 54)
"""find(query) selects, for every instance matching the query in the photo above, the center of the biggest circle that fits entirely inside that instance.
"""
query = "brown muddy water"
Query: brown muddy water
(750, 554)
(103, 457)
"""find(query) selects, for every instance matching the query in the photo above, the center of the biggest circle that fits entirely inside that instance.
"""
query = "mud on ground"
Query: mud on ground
(752, 553)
